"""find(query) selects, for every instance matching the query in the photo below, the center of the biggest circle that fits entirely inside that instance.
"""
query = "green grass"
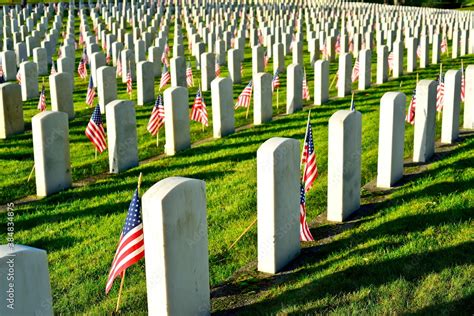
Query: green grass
(410, 254)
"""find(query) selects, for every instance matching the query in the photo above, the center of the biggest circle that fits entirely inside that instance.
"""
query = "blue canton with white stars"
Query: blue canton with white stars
(302, 195)
(96, 117)
(309, 140)
(159, 101)
(134, 217)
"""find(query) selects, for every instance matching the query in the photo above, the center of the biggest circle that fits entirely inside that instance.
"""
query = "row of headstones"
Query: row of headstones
(180, 260)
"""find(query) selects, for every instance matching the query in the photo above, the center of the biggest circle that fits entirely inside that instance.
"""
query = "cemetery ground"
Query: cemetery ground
(408, 250)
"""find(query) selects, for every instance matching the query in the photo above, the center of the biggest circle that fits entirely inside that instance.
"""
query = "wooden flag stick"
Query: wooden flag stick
(243, 233)
(332, 82)
(158, 138)
(305, 135)
(95, 153)
(140, 177)
(278, 98)
(31, 173)
(120, 290)
(247, 113)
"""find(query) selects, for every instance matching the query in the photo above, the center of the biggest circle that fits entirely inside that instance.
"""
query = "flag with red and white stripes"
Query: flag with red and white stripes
(82, 69)
(53, 69)
(157, 118)
(418, 51)
(337, 46)
(165, 77)
(410, 117)
(305, 93)
(243, 101)
(199, 111)
(440, 93)
(276, 81)
(95, 130)
(189, 76)
(355, 71)
(131, 246)
(42, 100)
(118, 73)
(444, 45)
(305, 233)
(391, 61)
(2, 74)
(129, 83)
(90, 92)
(18, 76)
(217, 69)
(308, 159)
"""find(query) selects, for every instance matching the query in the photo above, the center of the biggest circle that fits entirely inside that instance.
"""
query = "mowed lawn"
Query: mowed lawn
(410, 254)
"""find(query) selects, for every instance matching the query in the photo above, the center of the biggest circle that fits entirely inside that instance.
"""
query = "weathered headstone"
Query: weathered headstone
(294, 88)
(278, 195)
(451, 106)
(262, 98)
(391, 139)
(40, 58)
(425, 121)
(176, 244)
(51, 152)
(382, 64)
(121, 135)
(344, 164)
(176, 120)
(278, 58)
(8, 60)
(106, 86)
(61, 93)
(11, 110)
(222, 107)
(26, 286)
(97, 61)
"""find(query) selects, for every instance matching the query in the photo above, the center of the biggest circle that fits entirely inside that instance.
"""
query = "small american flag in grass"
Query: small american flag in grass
(82, 69)
(157, 118)
(129, 83)
(95, 130)
(199, 111)
(391, 60)
(243, 101)
(463, 84)
(165, 77)
(440, 93)
(217, 69)
(53, 69)
(305, 233)
(42, 100)
(131, 246)
(189, 76)
(276, 80)
(355, 71)
(410, 117)
(305, 93)
(18, 76)
(308, 159)
(90, 92)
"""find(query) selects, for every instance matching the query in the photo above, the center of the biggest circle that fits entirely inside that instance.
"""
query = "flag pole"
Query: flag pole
(123, 273)
(278, 97)
(158, 138)
(31, 173)
(332, 82)
(247, 113)
(243, 233)
(305, 135)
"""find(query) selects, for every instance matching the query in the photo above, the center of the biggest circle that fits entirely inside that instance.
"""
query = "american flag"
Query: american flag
(337, 47)
(444, 45)
(165, 77)
(164, 56)
(305, 233)
(410, 117)
(90, 92)
(118, 73)
(81, 38)
(418, 51)
(53, 69)
(293, 40)
(305, 93)
(260, 37)
(189, 76)
(440, 93)
(355, 71)
(131, 247)
(199, 111)
(82, 69)
(42, 100)
(84, 55)
(391, 60)
(324, 52)
(18, 76)
(275, 81)
(129, 83)
(157, 118)
(108, 58)
(463, 84)
(243, 101)
(217, 69)
(308, 159)
(95, 130)
(351, 45)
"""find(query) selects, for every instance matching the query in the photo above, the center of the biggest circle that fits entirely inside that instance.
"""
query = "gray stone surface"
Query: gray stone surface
(344, 82)
(51, 152)
(25, 275)
(106, 86)
(223, 122)
(425, 121)
(8, 59)
(294, 89)
(208, 64)
(321, 82)
(344, 164)
(11, 110)
(145, 82)
(469, 98)
(61, 93)
(451, 106)
(278, 195)
(121, 135)
(29, 80)
(178, 72)
(97, 60)
(262, 98)
(41, 60)
(176, 120)
(176, 244)
(391, 139)
(365, 69)
(234, 61)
